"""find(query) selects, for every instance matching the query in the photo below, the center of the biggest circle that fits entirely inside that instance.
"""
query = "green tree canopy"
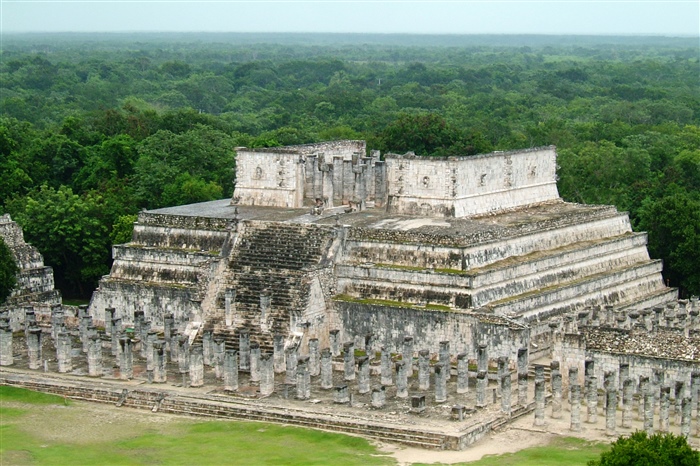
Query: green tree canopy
(8, 271)
(641, 450)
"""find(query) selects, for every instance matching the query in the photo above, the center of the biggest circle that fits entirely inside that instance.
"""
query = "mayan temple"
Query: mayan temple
(321, 242)
(35, 285)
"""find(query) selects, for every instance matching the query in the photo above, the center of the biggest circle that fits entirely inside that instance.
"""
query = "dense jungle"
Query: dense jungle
(95, 127)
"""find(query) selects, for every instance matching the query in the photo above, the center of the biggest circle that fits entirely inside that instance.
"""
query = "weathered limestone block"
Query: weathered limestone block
(159, 360)
(326, 369)
(462, 373)
(423, 370)
(407, 355)
(6, 354)
(231, 370)
(196, 365)
(440, 383)
(385, 367)
(314, 361)
(267, 374)
(575, 407)
(94, 356)
(63, 352)
(401, 379)
(349, 360)
(341, 394)
(378, 399)
(126, 358)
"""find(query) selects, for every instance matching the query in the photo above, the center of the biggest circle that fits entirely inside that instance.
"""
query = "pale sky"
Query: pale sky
(602, 17)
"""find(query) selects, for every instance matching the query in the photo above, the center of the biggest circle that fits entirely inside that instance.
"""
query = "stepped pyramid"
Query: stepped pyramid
(321, 237)
(35, 285)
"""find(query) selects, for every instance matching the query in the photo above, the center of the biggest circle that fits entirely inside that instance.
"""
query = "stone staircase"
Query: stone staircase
(276, 261)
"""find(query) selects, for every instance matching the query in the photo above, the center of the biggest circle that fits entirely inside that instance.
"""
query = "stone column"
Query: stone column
(423, 370)
(159, 373)
(168, 326)
(685, 417)
(407, 355)
(503, 364)
(207, 340)
(592, 400)
(126, 357)
(610, 403)
(230, 370)
(341, 395)
(34, 347)
(539, 372)
(658, 377)
(6, 355)
(219, 351)
(196, 365)
(151, 337)
(85, 323)
(627, 394)
(664, 408)
(94, 356)
(678, 394)
(440, 383)
(363, 374)
(303, 379)
(575, 391)
(244, 350)
(522, 376)
(556, 392)
(334, 338)
(385, 363)
(444, 358)
(139, 318)
(57, 320)
(401, 379)
(378, 397)
(116, 332)
(278, 350)
(648, 412)
(110, 312)
(481, 383)
(505, 393)
(694, 391)
(183, 352)
(326, 369)
(255, 362)
(174, 346)
(482, 359)
(314, 361)
(624, 374)
(588, 372)
(29, 320)
(290, 356)
(63, 352)
(267, 374)
(539, 402)
(573, 379)
(349, 359)
(462, 373)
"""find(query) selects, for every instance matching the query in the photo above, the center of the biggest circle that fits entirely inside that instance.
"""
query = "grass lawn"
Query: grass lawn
(563, 451)
(25, 439)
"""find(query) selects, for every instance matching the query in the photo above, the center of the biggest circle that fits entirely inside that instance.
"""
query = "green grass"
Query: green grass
(24, 441)
(22, 395)
(562, 451)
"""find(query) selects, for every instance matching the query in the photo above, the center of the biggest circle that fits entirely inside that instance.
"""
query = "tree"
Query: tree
(640, 450)
(424, 134)
(70, 231)
(8, 271)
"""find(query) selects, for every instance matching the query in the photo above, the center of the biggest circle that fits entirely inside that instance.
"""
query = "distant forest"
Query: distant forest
(95, 127)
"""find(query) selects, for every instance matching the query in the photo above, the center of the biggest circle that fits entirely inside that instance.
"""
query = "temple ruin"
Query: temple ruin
(384, 288)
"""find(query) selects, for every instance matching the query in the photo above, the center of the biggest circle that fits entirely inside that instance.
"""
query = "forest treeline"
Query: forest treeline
(95, 128)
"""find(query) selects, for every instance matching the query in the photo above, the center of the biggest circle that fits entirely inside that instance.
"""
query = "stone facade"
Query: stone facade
(35, 285)
(475, 250)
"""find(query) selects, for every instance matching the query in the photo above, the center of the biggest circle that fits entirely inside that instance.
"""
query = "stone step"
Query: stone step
(611, 287)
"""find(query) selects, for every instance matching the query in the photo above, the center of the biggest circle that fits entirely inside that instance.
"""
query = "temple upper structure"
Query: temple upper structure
(332, 174)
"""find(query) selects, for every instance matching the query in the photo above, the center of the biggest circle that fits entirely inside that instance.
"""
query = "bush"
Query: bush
(657, 450)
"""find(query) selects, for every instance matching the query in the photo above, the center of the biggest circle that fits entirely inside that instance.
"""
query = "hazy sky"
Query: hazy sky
(667, 17)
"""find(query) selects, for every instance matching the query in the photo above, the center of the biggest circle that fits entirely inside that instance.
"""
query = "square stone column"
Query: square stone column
(326, 369)
(196, 365)
(462, 373)
(267, 374)
(386, 366)
(231, 370)
(423, 370)
(349, 360)
(363, 374)
(63, 352)
(407, 355)
(94, 356)
(401, 379)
